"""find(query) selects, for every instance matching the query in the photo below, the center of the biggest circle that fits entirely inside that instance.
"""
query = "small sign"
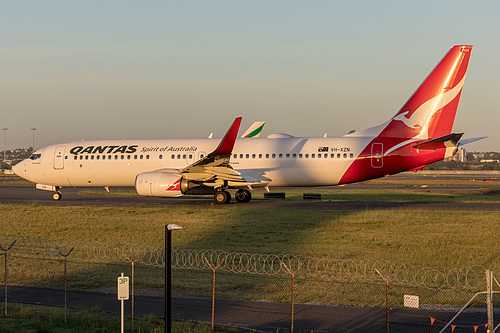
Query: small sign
(123, 287)
(411, 301)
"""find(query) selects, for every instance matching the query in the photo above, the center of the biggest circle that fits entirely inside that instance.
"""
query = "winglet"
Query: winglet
(226, 145)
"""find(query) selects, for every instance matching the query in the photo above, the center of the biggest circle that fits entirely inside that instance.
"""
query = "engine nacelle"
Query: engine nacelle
(160, 184)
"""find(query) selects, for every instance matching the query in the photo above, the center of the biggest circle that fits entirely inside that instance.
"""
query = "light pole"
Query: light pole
(168, 275)
(4, 143)
(33, 129)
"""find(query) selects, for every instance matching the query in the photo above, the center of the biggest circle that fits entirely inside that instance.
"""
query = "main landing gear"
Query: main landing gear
(224, 197)
(243, 196)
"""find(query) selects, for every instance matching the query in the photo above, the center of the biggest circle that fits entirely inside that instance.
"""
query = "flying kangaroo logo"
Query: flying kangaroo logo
(420, 118)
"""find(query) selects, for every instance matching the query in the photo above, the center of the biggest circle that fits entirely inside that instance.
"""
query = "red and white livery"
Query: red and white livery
(420, 133)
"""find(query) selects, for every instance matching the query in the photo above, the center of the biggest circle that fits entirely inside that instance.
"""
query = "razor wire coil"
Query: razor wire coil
(341, 270)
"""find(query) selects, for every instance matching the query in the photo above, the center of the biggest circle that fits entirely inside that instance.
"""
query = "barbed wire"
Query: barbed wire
(342, 270)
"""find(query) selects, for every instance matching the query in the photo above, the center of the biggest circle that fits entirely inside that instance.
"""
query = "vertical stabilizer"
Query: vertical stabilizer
(430, 111)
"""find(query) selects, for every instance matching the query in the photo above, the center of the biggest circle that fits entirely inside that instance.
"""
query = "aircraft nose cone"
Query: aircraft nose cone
(18, 169)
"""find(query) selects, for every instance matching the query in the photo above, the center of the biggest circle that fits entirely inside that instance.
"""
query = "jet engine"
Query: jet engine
(161, 184)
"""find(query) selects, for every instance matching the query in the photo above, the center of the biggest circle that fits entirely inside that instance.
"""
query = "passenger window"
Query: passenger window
(351, 155)
(247, 156)
(260, 155)
(345, 155)
(300, 155)
(76, 157)
(92, 157)
(123, 157)
(87, 157)
(116, 157)
(338, 155)
(326, 155)
(241, 155)
(147, 157)
(294, 155)
(160, 157)
(332, 155)
(313, 155)
(267, 155)
(287, 155)
(235, 156)
(178, 157)
(172, 157)
(141, 157)
(307, 155)
(319, 155)
(274, 155)
(98, 157)
(280, 155)
(183, 157)
(201, 155)
(253, 155)
(109, 157)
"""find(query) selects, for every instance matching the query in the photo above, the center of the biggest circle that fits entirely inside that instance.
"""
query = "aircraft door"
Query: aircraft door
(59, 158)
(377, 155)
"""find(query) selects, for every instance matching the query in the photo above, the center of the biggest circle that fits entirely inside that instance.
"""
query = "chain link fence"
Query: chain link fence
(254, 291)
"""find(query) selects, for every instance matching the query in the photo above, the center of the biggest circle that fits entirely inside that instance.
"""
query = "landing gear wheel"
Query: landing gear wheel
(243, 196)
(222, 197)
(57, 196)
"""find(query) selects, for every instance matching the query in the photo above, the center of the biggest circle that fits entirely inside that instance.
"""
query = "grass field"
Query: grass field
(39, 319)
(439, 239)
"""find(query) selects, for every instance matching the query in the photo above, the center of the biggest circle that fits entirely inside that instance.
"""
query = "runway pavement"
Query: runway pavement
(16, 194)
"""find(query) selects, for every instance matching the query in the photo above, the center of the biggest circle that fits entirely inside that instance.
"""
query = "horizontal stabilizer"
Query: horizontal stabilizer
(467, 141)
(446, 141)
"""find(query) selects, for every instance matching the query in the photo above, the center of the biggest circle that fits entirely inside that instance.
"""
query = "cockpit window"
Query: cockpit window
(35, 156)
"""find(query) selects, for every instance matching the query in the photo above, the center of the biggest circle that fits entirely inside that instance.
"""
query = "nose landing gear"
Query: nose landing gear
(57, 195)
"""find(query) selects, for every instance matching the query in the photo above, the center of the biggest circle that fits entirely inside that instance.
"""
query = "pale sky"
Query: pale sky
(83, 70)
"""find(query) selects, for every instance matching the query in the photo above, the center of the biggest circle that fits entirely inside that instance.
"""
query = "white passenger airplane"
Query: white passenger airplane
(419, 134)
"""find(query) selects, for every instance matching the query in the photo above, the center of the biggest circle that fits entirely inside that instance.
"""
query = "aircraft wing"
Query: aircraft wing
(220, 157)
(215, 167)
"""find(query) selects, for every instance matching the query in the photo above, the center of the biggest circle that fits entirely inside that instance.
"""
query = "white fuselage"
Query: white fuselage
(284, 161)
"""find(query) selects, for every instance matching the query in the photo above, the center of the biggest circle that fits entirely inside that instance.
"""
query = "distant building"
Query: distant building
(460, 156)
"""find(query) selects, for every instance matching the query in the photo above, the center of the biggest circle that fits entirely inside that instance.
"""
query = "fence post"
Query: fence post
(386, 296)
(5, 254)
(489, 298)
(65, 256)
(213, 287)
(132, 278)
(293, 291)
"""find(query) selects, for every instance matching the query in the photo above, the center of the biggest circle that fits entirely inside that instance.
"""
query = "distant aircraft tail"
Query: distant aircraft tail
(254, 130)
(430, 111)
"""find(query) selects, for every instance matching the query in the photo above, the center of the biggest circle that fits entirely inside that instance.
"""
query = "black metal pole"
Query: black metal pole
(168, 280)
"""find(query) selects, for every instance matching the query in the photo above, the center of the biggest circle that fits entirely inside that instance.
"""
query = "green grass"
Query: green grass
(443, 239)
(22, 318)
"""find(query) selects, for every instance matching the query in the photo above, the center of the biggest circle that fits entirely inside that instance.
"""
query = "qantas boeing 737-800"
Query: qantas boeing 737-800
(420, 133)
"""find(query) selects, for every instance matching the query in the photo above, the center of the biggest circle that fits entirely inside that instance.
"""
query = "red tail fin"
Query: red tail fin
(430, 111)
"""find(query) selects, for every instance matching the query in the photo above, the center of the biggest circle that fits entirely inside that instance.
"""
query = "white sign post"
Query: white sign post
(123, 288)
